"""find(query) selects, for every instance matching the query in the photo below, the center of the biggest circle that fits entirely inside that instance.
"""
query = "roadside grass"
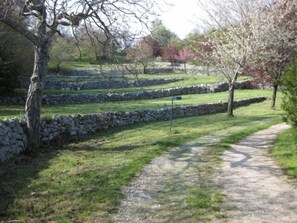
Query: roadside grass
(285, 151)
(82, 181)
(10, 111)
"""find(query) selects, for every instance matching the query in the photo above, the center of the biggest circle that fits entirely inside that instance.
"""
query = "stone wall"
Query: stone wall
(102, 84)
(105, 84)
(99, 98)
(117, 72)
(201, 70)
(13, 139)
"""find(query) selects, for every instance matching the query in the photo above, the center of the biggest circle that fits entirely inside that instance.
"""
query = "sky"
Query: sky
(181, 16)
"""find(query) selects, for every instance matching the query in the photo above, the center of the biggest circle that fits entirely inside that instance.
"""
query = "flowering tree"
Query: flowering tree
(169, 54)
(45, 18)
(233, 39)
(276, 30)
(184, 55)
(203, 53)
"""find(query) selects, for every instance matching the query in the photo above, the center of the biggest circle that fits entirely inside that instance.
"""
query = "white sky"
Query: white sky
(181, 17)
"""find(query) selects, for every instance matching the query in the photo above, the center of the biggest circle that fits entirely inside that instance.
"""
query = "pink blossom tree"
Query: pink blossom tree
(184, 55)
(169, 54)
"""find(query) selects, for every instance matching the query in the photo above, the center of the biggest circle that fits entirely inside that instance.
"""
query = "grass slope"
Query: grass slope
(82, 181)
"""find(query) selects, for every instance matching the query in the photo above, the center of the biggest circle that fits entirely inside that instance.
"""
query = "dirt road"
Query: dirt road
(256, 189)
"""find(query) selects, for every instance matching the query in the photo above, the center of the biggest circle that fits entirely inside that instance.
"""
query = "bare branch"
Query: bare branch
(19, 27)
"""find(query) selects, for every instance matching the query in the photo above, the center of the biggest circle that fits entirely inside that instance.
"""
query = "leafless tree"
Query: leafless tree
(45, 18)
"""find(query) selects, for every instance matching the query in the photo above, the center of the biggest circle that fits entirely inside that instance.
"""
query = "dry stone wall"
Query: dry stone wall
(13, 138)
(100, 84)
(112, 97)
(115, 72)
(199, 70)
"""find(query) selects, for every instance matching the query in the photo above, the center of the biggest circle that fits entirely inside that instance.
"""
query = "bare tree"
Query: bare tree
(45, 19)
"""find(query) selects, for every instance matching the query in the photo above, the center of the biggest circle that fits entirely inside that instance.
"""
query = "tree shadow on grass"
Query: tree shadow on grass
(32, 186)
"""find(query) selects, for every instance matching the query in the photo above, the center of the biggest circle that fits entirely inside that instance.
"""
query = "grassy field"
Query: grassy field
(82, 181)
(9, 111)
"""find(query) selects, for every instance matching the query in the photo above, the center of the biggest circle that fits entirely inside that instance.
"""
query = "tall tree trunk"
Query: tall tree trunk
(35, 93)
(274, 92)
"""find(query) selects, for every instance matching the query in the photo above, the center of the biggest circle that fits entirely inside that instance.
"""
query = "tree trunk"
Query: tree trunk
(185, 67)
(35, 92)
(231, 100)
(274, 92)
(79, 50)
(231, 94)
(144, 65)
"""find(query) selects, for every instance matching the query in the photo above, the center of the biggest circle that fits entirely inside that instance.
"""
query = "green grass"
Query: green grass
(82, 181)
(188, 80)
(9, 111)
(133, 77)
(285, 151)
(83, 65)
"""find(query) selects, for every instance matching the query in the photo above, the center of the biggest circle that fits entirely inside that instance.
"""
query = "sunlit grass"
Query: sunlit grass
(82, 181)
(285, 151)
(9, 111)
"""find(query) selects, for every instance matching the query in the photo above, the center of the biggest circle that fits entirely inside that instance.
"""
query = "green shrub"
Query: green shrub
(290, 93)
